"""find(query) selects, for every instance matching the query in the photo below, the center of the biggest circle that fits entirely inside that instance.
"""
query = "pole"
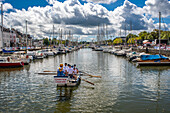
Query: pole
(53, 34)
(125, 34)
(131, 31)
(61, 37)
(159, 32)
(2, 25)
(26, 35)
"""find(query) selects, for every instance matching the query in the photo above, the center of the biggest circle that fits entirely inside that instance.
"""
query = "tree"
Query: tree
(130, 36)
(143, 35)
(117, 41)
(165, 34)
(46, 41)
(150, 36)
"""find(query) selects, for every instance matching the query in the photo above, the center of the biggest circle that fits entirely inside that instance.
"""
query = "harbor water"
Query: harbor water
(123, 88)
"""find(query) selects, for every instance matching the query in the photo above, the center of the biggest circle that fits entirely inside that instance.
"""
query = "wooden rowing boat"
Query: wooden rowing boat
(65, 81)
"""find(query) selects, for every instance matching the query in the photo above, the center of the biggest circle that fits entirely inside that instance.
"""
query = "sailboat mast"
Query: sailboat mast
(2, 24)
(159, 32)
(53, 36)
(26, 35)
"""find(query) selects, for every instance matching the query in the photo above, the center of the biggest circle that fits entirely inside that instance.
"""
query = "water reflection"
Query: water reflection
(11, 69)
(122, 88)
(64, 95)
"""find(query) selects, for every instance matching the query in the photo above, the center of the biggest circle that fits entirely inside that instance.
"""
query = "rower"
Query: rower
(60, 71)
(66, 69)
(75, 69)
(70, 72)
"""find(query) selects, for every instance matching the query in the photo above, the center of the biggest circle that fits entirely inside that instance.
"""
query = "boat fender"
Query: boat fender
(8, 59)
(22, 63)
(27, 56)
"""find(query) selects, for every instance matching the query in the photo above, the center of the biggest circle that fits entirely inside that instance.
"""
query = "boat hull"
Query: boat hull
(65, 82)
(153, 63)
(11, 65)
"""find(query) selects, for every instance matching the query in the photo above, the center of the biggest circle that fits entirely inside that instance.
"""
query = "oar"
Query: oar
(87, 81)
(46, 73)
(94, 76)
(80, 71)
(91, 75)
(49, 71)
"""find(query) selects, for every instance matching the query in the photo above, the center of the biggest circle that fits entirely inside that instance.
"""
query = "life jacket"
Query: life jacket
(60, 69)
(60, 72)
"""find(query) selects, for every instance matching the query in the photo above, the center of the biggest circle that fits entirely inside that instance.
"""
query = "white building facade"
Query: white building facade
(8, 37)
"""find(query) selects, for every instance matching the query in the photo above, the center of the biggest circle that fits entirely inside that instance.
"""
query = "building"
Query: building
(38, 43)
(13, 40)
(6, 38)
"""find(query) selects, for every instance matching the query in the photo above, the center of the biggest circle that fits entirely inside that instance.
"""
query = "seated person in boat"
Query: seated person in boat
(65, 69)
(75, 70)
(60, 71)
(70, 72)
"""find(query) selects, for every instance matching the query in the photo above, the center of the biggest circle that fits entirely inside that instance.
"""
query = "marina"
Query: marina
(85, 56)
(123, 87)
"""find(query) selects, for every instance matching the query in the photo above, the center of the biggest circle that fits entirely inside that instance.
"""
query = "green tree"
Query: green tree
(165, 34)
(150, 36)
(143, 35)
(46, 41)
(130, 36)
(117, 41)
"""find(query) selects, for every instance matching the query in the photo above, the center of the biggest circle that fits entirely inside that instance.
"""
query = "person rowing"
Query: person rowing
(66, 69)
(71, 72)
(60, 71)
(75, 70)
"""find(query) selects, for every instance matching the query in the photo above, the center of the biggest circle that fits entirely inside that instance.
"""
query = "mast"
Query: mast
(106, 34)
(61, 37)
(131, 31)
(98, 35)
(2, 24)
(125, 34)
(69, 38)
(159, 31)
(53, 34)
(26, 35)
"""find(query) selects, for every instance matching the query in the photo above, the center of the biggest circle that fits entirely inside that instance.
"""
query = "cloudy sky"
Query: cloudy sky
(82, 17)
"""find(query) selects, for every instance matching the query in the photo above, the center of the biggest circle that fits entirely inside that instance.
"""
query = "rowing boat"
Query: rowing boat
(65, 81)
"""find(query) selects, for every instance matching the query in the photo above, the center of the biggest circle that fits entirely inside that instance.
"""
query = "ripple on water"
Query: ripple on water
(122, 88)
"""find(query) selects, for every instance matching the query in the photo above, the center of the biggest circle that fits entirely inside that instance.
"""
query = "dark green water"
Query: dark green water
(123, 88)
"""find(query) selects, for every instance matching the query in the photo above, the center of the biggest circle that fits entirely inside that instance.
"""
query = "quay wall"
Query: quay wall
(150, 50)
(153, 51)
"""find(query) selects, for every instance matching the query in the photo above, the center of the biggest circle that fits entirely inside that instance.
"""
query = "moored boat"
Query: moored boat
(6, 63)
(153, 60)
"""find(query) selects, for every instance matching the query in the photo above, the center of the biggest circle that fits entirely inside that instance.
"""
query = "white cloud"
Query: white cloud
(51, 1)
(6, 6)
(153, 7)
(101, 1)
(71, 13)
(80, 19)
(129, 14)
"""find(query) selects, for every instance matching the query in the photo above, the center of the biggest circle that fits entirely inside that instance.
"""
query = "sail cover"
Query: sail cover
(152, 57)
